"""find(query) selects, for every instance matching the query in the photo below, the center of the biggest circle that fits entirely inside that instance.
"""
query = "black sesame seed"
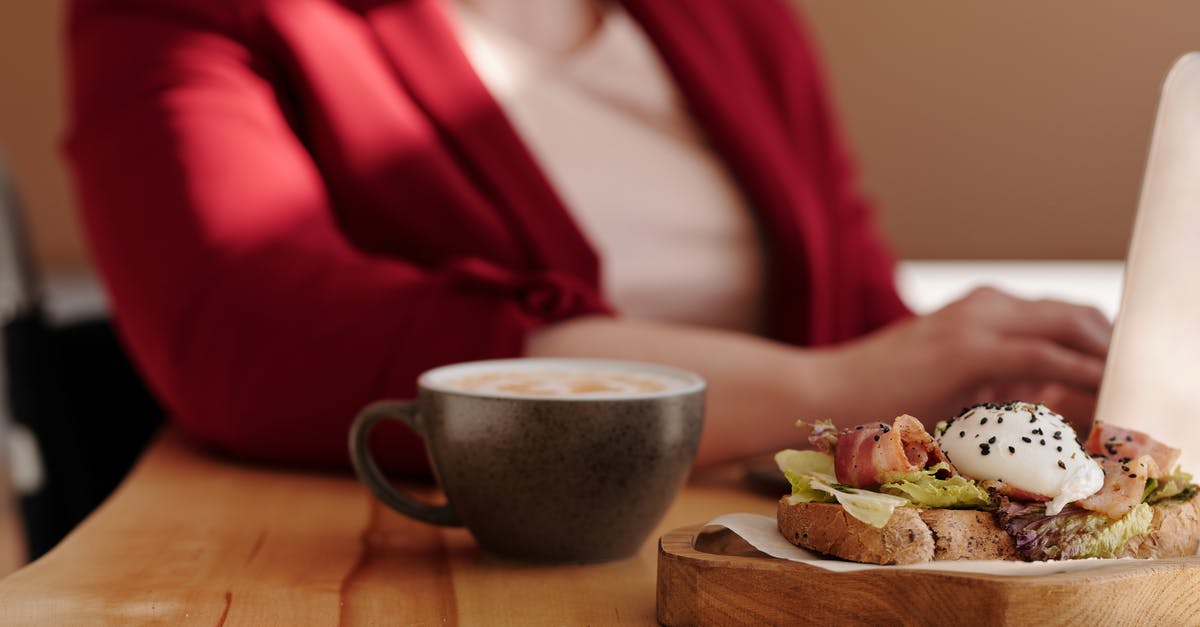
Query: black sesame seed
(858, 428)
(1062, 465)
(876, 438)
(1058, 448)
(1133, 475)
(1032, 419)
(1129, 438)
(1124, 467)
(1025, 439)
(1058, 435)
(983, 421)
(1042, 442)
(992, 440)
(999, 419)
(1011, 450)
(962, 434)
(1037, 431)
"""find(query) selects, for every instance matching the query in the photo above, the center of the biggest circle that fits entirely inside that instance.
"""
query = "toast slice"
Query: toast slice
(915, 535)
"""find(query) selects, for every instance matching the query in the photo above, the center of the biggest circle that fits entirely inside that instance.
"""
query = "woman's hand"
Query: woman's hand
(988, 346)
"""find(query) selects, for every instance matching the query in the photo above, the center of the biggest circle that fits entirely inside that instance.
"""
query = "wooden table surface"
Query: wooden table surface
(189, 539)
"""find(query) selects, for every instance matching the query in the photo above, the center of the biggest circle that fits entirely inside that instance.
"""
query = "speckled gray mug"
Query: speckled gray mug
(572, 471)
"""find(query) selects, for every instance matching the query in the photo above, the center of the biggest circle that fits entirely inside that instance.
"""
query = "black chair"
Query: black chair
(71, 386)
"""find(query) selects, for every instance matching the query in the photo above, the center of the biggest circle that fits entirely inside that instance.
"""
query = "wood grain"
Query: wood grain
(717, 579)
(191, 539)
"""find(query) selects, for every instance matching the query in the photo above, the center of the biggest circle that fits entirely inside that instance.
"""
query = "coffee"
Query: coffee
(547, 460)
(563, 383)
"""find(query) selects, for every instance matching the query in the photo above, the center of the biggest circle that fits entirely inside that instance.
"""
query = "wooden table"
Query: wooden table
(190, 539)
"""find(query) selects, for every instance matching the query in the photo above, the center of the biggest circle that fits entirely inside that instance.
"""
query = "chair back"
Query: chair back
(71, 391)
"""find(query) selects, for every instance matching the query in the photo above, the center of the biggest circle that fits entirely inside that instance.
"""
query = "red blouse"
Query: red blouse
(299, 205)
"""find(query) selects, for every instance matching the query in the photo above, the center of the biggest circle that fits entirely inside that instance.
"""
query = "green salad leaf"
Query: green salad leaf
(811, 474)
(873, 508)
(1073, 533)
(1177, 485)
(1109, 537)
(800, 468)
(924, 489)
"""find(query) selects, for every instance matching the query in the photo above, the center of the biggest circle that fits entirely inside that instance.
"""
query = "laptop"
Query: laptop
(1152, 377)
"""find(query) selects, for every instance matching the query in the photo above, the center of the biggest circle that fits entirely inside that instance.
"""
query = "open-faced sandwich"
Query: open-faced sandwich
(999, 481)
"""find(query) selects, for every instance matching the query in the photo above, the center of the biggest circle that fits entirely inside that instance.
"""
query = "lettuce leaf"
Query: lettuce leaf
(1073, 533)
(811, 474)
(1111, 538)
(1177, 485)
(873, 508)
(800, 468)
(924, 489)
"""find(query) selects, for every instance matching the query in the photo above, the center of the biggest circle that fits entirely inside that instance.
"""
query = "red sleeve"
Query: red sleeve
(862, 251)
(260, 327)
(865, 264)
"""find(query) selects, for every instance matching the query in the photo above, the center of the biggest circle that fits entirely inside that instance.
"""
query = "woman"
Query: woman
(298, 206)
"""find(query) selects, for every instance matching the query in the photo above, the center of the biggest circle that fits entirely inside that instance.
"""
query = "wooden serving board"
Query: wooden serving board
(716, 578)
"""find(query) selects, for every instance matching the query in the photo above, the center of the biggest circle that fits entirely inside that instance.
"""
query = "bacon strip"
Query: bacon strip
(1124, 486)
(1121, 444)
(866, 453)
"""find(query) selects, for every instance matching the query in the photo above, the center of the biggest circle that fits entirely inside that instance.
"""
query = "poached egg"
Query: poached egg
(1027, 446)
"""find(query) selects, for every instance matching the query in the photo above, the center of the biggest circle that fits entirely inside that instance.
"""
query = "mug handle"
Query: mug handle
(368, 470)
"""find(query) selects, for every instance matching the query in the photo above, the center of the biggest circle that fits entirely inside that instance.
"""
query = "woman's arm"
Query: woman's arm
(928, 366)
(258, 324)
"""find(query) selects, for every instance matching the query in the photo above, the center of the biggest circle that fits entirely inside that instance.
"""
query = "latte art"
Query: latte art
(564, 383)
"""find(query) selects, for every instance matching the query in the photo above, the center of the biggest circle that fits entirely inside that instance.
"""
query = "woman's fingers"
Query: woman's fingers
(1020, 358)
(1080, 327)
(1084, 329)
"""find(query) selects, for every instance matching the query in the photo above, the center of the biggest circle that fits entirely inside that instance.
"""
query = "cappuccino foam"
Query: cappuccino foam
(564, 382)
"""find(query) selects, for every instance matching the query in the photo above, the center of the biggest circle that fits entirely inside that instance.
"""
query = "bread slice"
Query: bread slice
(1174, 531)
(914, 535)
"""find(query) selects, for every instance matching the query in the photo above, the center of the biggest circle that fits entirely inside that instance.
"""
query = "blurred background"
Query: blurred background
(984, 131)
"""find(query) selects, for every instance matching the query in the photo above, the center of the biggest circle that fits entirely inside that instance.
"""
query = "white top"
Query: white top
(674, 234)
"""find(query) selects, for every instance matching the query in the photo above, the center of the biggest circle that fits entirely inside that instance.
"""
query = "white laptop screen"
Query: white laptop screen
(1152, 378)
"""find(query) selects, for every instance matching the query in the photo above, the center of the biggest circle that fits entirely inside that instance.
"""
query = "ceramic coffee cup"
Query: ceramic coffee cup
(547, 460)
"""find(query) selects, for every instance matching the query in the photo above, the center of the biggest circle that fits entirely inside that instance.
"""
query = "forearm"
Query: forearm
(929, 367)
(757, 388)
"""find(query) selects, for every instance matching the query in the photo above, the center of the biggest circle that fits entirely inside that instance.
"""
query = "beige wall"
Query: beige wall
(30, 123)
(1002, 129)
(984, 129)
